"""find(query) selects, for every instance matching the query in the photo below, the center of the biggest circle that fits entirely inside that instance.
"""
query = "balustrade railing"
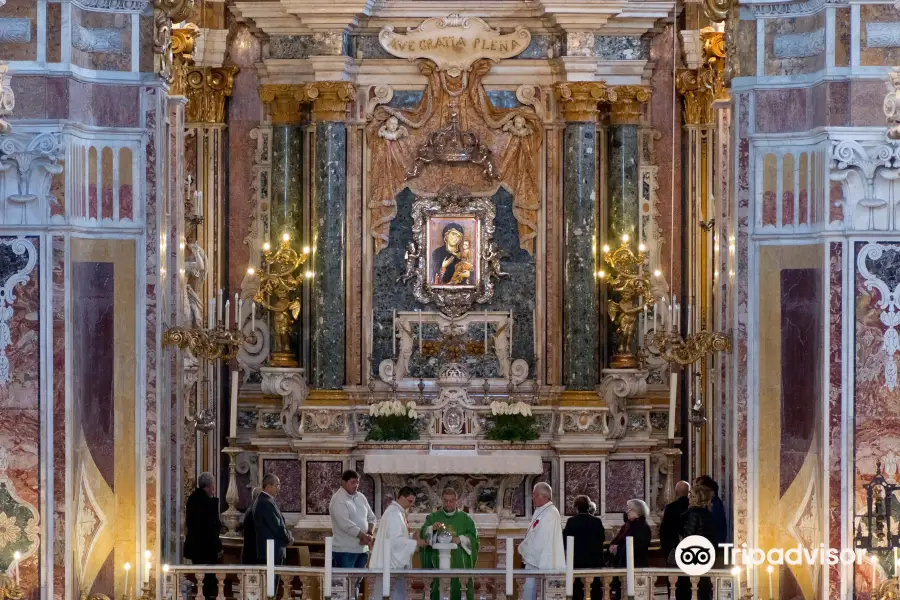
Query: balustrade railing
(240, 582)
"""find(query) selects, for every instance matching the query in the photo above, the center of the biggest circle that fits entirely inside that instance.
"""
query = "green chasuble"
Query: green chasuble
(459, 524)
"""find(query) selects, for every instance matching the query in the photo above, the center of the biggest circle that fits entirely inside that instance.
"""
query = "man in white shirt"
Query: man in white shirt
(352, 526)
(542, 547)
(393, 542)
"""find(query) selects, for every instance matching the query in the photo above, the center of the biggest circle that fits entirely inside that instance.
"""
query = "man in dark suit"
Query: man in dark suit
(269, 523)
(589, 535)
(201, 540)
(672, 525)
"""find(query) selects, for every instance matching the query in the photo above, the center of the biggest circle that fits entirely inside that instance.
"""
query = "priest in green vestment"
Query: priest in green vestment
(462, 529)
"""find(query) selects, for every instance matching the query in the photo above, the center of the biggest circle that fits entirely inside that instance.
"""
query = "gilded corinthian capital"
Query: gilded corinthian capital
(579, 99)
(206, 89)
(331, 100)
(284, 102)
(625, 108)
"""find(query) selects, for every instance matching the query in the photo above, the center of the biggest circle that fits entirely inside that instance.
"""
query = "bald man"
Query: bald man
(542, 547)
(670, 529)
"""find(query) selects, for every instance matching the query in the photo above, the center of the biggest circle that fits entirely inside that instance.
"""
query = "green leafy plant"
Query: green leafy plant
(511, 423)
(392, 421)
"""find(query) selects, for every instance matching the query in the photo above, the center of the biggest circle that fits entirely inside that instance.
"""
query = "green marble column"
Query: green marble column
(581, 292)
(285, 212)
(623, 185)
(331, 102)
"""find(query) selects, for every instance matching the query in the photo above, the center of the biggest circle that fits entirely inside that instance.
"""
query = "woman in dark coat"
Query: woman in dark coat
(698, 520)
(636, 527)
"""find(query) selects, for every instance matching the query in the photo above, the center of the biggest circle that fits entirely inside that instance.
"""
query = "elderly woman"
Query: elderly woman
(636, 527)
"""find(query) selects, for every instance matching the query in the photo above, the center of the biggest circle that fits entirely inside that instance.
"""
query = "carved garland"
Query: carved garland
(889, 303)
(23, 262)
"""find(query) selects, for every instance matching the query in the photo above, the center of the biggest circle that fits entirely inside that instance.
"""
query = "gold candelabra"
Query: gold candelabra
(277, 286)
(685, 351)
(215, 343)
(632, 284)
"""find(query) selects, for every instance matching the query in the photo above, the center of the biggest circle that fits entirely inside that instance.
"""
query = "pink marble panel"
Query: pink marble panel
(782, 110)
(838, 104)
(581, 478)
(842, 37)
(323, 478)
(103, 105)
(803, 207)
(835, 401)
(625, 480)
(40, 97)
(668, 161)
(145, 64)
(243, 116)
(770, 209)
(20, 422)
(787, 207)
(59, 416)
(867, 103)
(290, 474)
(747, 48)
(54, 32)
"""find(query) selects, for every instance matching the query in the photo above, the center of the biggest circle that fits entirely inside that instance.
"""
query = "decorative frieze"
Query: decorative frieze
(132, 6)
(799, 45)
(15, 31)
(89, 40)
(883, 35)
(579, 100)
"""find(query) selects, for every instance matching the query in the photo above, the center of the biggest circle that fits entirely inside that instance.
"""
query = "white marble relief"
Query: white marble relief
(15, 31)
(136, 6)
(888, 302)
(883, 35)
(24, 249)
(89, 40)
(28, 163)
(799, 45)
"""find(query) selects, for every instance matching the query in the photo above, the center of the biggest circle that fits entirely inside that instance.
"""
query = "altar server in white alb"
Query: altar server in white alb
(542, 547)
(393, 533)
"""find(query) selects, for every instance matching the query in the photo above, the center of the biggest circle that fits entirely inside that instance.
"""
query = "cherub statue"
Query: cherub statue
(411, 256)
(517, 126)
(392, 130)
(625, 312)
(492, 256)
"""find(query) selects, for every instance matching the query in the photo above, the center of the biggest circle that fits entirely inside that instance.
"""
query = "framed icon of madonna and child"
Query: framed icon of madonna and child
(453, 250)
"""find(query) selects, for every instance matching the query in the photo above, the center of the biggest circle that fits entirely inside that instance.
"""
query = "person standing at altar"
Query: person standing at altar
(460, 529)
(352, 525)
(542, 548)
(268, 522)
(202, 545)
(393, 542)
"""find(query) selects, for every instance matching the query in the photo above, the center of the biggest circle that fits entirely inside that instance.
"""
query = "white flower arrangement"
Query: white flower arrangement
(393, 408)
(504, 408)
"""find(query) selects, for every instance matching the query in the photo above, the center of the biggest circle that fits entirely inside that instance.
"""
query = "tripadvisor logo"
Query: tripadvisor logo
(695, 555)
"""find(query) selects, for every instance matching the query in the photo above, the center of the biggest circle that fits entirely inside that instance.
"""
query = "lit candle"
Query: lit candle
(237, 311)
(655, 309)
(17, 556)
(212, 310)
(512, 321)
(770, 569)
(673, 396)
(736, 571)
(227, 314)
(646, 329)
(219, 313)
(127, 569)
(240, 311)
(146, 572)
(232, 429)
(199, 204)
(253, 317)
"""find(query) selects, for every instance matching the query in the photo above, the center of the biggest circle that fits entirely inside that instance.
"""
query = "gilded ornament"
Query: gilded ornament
(626, 106)
(632, 284)
(685, 351)
(279, 281)
(165, 12)
(208, 344)
(698, 98)
(331, 100)
(283, 101)
(206, 89)
(580, 99)
(182, 39)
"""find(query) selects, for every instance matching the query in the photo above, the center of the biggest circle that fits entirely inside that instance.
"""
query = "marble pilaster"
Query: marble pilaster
(580, 203)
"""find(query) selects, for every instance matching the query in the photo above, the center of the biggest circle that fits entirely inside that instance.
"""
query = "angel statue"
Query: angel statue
(195, 270)
(492, 259)
(633, 297)
(411, 256)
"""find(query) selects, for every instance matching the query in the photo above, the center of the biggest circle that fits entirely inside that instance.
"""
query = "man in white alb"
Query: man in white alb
(542, 547)
(352, 525)
(393, 542)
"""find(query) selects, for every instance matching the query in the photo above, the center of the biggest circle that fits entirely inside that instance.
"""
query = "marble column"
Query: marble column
(579, 102)
(623, 192)
(331, 104)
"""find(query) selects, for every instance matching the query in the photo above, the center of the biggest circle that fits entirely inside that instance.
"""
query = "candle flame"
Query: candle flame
(625, 238)
(17, 555)
(305, 249)
(735, 570)
(770, 569)
(309, 274)
(605, 249)
(165, 568)
(601, 274)
(267, 246)
(251, 271)
(147, 555)
(642, 248)
(127, 566)
(657, 273)
(286, 237)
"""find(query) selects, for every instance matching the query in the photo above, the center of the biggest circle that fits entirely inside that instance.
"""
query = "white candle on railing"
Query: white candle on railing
(270, 568)
(329, 549)
(386, 568)
(253, 316)
(17, 556)
(629, 566)
(769, 570)
(420, 331)
(570, 558)
(689, 319)
(655, 310)
(510, 556)
(127, 569)
(227, 314)
(736, 571)
(673, 397)
(232, 428)
(394, 334)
